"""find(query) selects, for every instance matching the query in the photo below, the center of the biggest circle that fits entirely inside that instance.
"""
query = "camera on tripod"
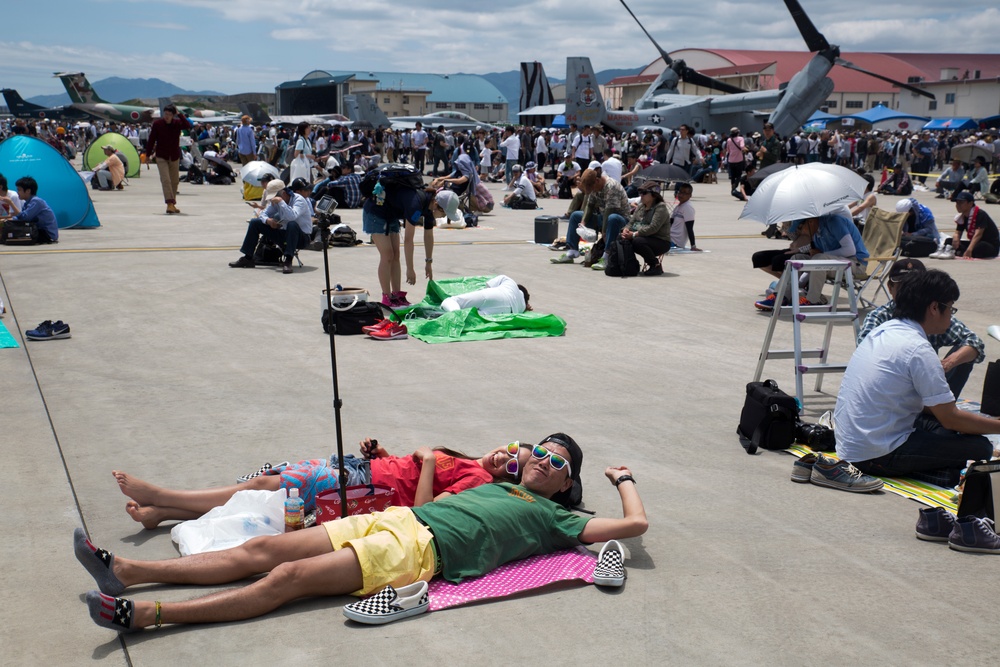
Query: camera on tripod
(325, 212)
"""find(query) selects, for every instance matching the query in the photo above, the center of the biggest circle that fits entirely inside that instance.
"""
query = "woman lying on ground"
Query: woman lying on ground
(414, 482)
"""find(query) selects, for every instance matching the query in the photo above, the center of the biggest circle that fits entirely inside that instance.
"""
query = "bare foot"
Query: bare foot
(150, 516)
(142, 492)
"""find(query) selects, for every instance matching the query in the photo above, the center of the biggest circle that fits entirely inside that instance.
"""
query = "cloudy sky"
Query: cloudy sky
(252, 45)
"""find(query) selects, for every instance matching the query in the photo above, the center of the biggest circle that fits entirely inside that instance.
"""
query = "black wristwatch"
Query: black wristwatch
(624, 478)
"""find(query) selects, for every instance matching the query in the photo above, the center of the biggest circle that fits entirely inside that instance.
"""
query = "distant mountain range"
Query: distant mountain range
(116, 89)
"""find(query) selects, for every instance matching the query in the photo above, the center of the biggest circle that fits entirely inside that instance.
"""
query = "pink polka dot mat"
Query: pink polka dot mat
(516, 577)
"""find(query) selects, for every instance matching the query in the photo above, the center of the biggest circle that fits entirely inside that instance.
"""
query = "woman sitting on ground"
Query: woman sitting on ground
(649, 228)
(415, 482)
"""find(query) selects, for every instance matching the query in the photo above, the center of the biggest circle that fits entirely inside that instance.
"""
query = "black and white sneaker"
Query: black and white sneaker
(261, 471)
(610, 570)
(390, 605)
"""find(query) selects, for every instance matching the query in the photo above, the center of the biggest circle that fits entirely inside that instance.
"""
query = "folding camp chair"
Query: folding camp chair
(882, 235)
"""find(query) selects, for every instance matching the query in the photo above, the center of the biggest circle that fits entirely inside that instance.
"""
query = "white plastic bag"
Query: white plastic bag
(248, 514)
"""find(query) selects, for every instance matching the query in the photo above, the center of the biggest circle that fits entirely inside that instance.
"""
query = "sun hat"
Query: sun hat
(273, 188)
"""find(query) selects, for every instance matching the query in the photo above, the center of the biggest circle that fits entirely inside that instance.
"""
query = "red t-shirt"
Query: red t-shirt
(451, 475)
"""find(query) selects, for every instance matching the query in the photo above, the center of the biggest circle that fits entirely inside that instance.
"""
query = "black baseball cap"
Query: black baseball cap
(573, 496)
(904, 267)
(299, 184)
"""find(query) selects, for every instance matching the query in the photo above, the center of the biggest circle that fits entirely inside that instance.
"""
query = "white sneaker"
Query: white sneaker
(936, 254)
(947, 253)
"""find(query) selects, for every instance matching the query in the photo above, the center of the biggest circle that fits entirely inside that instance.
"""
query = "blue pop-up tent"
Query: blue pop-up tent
(59, 184)
(880, 113)
(951, 124)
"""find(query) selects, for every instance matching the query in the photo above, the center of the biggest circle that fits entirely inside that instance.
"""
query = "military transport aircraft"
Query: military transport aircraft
(21, 108)
(362, 111)
(662, 106)
(85, 98)
(451, 120)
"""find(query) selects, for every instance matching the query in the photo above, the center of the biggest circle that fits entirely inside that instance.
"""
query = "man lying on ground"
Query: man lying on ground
(466, 535)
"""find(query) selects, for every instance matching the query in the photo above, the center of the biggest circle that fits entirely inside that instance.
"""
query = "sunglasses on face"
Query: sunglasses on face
(512, 467)
(555, 460)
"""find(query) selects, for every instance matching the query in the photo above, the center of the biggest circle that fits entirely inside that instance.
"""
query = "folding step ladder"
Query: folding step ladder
(827, 314)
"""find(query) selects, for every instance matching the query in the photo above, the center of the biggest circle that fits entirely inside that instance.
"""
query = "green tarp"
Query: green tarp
(94, 155)
(468, 324)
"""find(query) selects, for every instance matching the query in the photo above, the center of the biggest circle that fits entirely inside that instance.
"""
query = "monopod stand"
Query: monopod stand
(324, 222)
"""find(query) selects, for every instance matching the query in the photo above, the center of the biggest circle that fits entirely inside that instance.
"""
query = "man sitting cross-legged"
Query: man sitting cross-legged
(895, 414)
(461, 536)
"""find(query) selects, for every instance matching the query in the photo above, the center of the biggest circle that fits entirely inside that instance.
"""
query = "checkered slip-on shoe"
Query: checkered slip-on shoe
(610, 570)
(262, 470)
(390, 605)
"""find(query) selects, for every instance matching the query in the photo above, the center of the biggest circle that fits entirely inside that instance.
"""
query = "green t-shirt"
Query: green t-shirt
(479, 530)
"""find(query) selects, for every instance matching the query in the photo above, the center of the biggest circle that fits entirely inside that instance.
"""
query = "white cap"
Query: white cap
(904, 205)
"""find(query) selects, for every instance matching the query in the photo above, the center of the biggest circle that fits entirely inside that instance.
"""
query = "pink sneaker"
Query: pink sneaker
(388, 300)
(398, 300)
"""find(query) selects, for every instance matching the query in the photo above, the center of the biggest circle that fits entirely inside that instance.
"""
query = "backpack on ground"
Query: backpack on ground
(621, 261)
(392, 176)
(483, 199)
(768, 419)
(20, 232)
(195, 175)
(342, 236)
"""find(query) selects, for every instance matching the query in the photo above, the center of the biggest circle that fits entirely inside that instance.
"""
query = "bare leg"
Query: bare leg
(200, 500)
(259, 555)
(388, 261)
(335, 573)
(151, 516)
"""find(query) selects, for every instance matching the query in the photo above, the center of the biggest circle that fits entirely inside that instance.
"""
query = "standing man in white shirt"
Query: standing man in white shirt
(511, 145)
(583, 147)
(419, 141)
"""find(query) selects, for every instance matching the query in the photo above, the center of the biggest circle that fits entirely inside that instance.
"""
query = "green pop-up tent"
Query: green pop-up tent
(94, 155)
(469, 324)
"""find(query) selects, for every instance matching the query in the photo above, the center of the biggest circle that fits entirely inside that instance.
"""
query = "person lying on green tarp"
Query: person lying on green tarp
(478, 308)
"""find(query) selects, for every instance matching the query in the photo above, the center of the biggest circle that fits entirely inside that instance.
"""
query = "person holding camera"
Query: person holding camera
(286, 221)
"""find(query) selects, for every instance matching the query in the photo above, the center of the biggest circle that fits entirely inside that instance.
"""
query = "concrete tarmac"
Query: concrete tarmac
(187, 373)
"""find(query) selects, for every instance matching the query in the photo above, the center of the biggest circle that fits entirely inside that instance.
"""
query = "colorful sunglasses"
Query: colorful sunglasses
(512, 467)
(555, 460)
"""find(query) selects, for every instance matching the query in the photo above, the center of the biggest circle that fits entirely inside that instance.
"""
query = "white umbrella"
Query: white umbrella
(804, 191)
(969, 152)
(252, 172)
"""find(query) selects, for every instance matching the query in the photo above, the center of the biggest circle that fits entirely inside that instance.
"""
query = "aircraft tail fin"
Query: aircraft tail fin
(162, 102)
(258, 116)
(79, 89)
(17, 104)
(363, 107)
(584, 104)
(535, 89)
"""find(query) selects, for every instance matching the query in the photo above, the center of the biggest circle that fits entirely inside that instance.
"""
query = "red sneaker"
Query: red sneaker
(378, 326)
(391, 332)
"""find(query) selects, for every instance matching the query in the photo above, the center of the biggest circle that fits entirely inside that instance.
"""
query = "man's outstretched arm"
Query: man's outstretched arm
(632, 524)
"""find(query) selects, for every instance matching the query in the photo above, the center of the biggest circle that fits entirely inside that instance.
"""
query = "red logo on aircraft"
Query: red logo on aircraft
(135, 115)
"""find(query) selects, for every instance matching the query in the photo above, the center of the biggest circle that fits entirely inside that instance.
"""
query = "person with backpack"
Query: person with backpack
(394, 201)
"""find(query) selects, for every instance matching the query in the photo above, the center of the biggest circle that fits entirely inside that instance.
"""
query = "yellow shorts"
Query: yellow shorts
(392, 547)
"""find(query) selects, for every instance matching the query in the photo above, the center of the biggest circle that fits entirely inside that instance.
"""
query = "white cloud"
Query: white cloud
(299, 34)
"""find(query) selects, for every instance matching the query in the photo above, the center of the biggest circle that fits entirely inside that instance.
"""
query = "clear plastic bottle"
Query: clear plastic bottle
(295, 512)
